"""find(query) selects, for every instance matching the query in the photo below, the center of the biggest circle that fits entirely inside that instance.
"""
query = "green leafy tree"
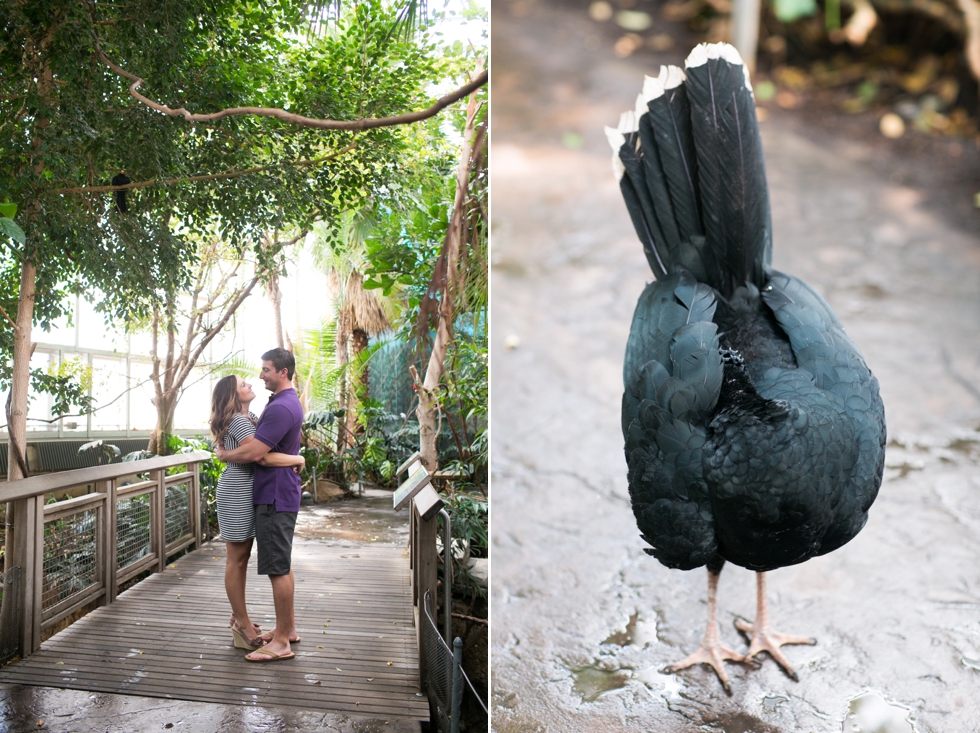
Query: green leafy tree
(360, 313)
(72, 121)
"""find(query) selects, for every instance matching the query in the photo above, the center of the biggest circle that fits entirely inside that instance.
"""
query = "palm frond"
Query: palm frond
(237, 365)
(409, 19)
(318, 373)
(364, 308)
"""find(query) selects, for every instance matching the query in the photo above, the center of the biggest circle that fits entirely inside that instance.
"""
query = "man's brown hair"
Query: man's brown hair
(281, 359)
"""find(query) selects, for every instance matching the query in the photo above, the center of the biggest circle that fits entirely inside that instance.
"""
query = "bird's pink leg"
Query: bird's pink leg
(711, 650)
(763, 638)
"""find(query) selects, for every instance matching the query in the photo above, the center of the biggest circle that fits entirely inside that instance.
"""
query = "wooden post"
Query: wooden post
(425, 558)
(159, 519)
(27, 551)
(195, 503)
(110, 522)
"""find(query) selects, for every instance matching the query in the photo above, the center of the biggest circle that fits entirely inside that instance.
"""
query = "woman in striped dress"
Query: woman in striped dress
(232, 424)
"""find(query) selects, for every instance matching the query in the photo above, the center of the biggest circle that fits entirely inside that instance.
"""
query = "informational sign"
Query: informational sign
(411, 486)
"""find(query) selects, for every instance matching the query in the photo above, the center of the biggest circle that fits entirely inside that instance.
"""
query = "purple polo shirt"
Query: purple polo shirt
(279, 428)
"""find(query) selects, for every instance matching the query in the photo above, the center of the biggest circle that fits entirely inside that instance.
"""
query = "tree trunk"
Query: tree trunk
(343, 338)
(358, 343)
(426, 389)
(17, 405)
(275, 295)
(17, 417)
(166, 406)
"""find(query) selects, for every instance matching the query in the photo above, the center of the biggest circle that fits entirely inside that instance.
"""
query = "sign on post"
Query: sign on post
(416, 481)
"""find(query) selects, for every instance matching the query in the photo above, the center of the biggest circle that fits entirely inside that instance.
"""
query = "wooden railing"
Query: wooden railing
(78, 551)
(425, 506)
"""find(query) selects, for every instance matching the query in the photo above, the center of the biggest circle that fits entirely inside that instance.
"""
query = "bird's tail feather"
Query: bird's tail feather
(632, 184)
(671, 142)
(692, 160)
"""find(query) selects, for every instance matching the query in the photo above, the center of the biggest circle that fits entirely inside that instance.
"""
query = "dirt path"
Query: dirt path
(578, 608)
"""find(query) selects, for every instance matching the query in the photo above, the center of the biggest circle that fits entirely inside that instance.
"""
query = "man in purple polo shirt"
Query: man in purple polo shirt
(276, 495)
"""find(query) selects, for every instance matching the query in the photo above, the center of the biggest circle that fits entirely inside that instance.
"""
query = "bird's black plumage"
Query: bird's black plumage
(754, 429)
(121, 179)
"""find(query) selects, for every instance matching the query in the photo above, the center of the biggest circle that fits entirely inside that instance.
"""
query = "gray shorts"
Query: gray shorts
(274, 536)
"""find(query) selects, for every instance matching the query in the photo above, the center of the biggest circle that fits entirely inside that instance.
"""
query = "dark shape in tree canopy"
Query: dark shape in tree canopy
(120, 179)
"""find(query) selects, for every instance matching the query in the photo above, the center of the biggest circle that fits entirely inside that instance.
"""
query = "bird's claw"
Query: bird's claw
(715, 656)
(766, 640)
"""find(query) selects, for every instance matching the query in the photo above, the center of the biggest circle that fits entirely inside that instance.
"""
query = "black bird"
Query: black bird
(120, 179)
(754, 430)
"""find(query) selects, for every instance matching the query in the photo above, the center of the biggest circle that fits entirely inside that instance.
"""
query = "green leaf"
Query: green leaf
(10, 228)
(8, 209)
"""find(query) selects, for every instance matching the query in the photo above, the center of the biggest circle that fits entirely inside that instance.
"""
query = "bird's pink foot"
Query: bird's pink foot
(767, 640)
(714, 655)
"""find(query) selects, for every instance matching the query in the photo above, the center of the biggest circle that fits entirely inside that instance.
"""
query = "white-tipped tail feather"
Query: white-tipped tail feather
(672, 76)
(703, 51)
(652, 87)
(628, 122)
(616, 140)
(641, 107)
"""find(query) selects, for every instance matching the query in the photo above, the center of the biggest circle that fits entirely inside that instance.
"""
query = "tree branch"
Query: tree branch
(92, 411)
(295, 119)
(208, 177)
(16, 327)
(213, 331)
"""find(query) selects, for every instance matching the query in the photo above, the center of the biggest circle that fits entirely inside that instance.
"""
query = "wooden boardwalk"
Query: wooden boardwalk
(167, 637)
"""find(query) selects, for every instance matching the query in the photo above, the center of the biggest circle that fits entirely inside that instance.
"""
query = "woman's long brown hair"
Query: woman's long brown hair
(224, 406)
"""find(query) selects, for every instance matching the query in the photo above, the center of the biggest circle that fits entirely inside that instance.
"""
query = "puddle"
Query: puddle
(964, 445)
(772, 702)
(740, 723)
(971, 663)
(667, 686)
(871, 713)
(591, 682)
(637, 632)
(906, 467)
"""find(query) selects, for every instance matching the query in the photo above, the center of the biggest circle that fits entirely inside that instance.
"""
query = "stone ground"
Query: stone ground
(583, 620)
(362, 520)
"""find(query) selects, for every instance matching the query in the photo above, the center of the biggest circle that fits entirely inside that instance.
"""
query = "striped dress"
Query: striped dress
(236, 512)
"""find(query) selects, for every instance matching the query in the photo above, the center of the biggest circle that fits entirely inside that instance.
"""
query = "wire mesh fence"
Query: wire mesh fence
(439, 670)
(132, 529)
(445, 680)
(70, 546)
(9, 614)
(177, 521)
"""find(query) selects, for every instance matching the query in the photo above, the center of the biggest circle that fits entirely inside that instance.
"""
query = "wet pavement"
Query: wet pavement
(583, 620)
(367, 519)
(24, 709)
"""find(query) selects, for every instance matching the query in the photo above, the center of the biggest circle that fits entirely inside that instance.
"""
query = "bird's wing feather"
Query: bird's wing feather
(672, 377)
(823, 348)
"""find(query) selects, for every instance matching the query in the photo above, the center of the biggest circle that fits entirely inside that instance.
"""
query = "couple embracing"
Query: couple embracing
(259, 497)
